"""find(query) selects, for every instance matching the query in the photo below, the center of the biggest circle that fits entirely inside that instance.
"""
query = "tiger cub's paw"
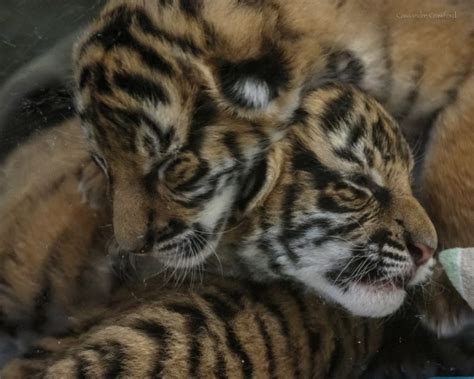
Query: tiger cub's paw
(444, 311)
(93, 184)
(450, 323)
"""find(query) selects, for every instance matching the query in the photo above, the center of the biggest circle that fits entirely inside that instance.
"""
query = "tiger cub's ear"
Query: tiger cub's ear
(253, 83)
(268, 84)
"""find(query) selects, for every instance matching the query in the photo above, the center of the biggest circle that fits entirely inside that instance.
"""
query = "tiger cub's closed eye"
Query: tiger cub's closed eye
(181, 170)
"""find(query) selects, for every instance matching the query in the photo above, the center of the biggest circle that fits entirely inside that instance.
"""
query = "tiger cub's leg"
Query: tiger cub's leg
(447, 192)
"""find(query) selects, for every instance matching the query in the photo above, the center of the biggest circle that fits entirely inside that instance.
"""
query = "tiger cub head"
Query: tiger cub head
(175, 155)
(337, 212)
(159, 94)
(183, 167)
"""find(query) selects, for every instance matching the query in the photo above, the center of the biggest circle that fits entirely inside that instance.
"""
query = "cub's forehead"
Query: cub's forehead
(349, 130)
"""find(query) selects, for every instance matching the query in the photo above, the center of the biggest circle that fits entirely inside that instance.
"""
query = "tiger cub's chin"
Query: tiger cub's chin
(369, 300)
(375, 299)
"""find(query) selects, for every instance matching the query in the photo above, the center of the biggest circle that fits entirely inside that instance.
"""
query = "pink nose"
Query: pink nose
(420, 253)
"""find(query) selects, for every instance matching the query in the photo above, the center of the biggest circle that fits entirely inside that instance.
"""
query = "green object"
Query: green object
(459, 266)
(451, 262)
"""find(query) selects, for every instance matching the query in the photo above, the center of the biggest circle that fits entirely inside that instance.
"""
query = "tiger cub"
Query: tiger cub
(331, 199)
(53, 255)
(277, 317)
(221, 329)
(153, 78)
(329, 206)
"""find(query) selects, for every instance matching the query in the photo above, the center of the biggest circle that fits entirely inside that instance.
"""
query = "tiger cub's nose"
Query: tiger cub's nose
(420, 252)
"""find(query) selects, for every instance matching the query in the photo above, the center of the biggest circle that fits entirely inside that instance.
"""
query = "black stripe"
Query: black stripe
(314, 338)
(148, 27)
(382, 195)
(114, 33)
(348, 155)
(116, 360)
(226, 313)
(153, 60)
(265, 244)
(173, 229)
(358, 131)
(393, 256)
(112, 357)
(117, 34)
(299, 116)
(191, 7)
(274, 309)
(252, 183)
(125, 120)
(330, 204)
(291, 194)
(204, 113)
(202, 171)
(230, 141)
(141, 88)
(369, 156)
(380, 236)
(81, 368)
(267, 340)
(95, 74)
(306, 160)
(337, 111)
(196, 321)
(220, 369)
(344, 229)
(298, 231)
(157, 332)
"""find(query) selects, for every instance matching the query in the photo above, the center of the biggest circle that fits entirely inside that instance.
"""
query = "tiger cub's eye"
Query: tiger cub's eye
(181, 170)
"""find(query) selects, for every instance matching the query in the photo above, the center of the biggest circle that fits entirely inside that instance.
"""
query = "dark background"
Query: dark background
(29, 27)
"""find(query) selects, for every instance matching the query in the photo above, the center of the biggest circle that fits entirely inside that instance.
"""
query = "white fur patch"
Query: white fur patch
(217, 207)
(423, 272)
(255, 92)
(449, 326)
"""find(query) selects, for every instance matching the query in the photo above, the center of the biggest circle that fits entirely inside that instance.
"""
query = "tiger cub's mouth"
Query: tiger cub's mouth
(384, 296)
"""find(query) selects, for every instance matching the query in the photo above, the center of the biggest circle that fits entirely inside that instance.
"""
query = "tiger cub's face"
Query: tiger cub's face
(341, 217)
(176, 159)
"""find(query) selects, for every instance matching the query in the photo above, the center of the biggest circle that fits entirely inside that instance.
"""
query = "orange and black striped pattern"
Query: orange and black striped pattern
(223, 329)
(157, 79)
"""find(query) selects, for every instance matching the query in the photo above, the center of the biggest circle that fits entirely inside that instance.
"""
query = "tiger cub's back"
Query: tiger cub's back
(50, 256)
(224, 328)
